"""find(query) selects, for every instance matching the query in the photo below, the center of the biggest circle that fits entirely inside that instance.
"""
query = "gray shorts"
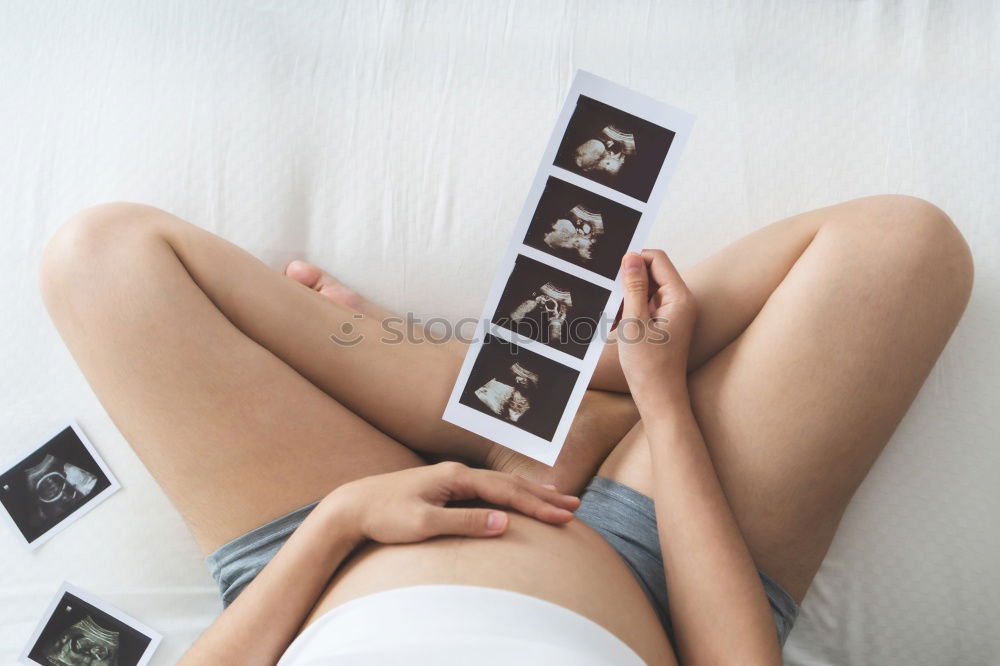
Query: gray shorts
(625, 518)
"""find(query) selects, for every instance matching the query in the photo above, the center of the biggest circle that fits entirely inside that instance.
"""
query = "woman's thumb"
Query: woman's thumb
(470, 522)
(635, 282)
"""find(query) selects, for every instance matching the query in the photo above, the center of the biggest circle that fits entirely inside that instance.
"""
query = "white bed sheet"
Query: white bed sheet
(394, 142)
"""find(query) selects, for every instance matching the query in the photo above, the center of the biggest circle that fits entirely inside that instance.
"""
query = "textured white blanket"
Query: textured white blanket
(394, 142)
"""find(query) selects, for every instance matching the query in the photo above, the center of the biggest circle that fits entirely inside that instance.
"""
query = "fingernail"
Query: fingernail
(632, 263)
(496, 520)
(549, 486)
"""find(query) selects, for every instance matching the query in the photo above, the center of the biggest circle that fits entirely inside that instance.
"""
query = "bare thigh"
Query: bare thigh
(231, 432)
(796, 409)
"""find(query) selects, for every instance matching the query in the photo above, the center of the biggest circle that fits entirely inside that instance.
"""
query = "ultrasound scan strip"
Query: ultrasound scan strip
(556, 293)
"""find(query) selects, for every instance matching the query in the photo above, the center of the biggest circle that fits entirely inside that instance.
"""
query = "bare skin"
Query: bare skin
(814, 336)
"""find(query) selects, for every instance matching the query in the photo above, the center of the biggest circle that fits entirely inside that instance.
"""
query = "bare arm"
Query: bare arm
(261, 623)
(717, 602)
(401, 507)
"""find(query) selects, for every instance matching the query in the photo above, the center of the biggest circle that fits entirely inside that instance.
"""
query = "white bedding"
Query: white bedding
(394, 143)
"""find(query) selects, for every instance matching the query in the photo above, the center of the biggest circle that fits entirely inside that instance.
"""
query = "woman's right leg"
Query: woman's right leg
(233, 435)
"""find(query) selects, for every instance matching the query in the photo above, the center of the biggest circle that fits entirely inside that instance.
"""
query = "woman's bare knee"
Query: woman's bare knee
(918, 226)
(940, 245)
(919, 253)
(92, 243)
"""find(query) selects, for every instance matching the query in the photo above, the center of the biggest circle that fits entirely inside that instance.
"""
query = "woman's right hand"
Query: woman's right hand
(409, 505)
(658, 316)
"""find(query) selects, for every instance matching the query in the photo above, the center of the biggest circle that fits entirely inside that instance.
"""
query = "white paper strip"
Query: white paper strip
(594, 197)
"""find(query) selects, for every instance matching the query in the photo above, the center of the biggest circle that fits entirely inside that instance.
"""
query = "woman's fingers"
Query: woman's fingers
(462, 474)
(661, 268)
(525, 496)
(549, 494)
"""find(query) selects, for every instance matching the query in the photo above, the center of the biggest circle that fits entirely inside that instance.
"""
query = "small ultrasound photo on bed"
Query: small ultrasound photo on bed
(89, 631)
(519, 387)
(614, 148)
(544, 304)
(581, 227)
(54, 485)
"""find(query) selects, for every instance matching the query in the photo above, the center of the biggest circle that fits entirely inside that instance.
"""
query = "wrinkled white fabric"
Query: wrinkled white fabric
(455, 625)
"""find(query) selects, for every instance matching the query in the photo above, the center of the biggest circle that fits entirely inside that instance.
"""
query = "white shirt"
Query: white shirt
(455, 624)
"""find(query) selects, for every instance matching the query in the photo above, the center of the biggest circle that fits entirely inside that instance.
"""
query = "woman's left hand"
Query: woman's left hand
(409, 505)
(658, 317)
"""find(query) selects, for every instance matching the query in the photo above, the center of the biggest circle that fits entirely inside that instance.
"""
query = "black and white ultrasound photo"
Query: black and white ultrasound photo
(614, 148)
(519, 387)
(552, 307)
(581, 227)
(594, 195)
(78, 633)
(53, 484)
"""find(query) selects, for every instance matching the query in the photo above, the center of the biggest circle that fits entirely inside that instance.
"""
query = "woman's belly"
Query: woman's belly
(570, 565)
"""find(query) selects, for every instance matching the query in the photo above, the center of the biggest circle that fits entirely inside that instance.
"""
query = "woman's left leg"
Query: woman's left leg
(798, 407)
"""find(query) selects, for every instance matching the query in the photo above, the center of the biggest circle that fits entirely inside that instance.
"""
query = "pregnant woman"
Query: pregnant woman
(301, 466)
